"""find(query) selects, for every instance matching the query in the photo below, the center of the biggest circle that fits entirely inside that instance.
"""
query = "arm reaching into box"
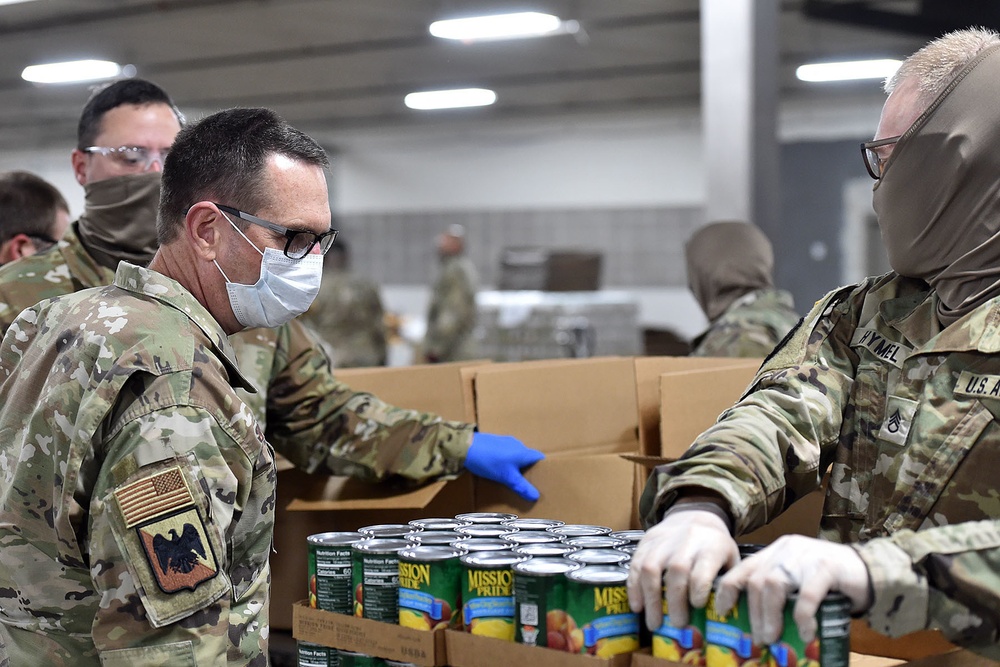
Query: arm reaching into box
(500, 458)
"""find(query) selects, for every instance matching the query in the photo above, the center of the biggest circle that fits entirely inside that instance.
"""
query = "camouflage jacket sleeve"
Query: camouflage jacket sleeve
(322, 425)
(772, 447)
(182, 579)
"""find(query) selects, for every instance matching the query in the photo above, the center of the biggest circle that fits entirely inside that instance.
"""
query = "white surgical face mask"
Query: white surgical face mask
(286, 287)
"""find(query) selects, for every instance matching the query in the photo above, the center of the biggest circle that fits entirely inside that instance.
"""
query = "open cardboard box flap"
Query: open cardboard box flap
(345, 493)
(466, 650)
(567, 407)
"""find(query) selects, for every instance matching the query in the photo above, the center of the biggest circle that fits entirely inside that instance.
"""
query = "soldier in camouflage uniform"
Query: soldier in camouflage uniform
(451, 317)
(138, 486)
(33, 215)
(892, 384)
(729, 267)
(348, 313)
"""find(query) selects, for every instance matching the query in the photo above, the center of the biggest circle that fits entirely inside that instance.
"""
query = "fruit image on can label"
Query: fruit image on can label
(540, 602)
(686, 644)
(488, 593)
(430, 580)
(728, 642)
(830, 648)
(597, 603)
(375, 578)
(330, 570)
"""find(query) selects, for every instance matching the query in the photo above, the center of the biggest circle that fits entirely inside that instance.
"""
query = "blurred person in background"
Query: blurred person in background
(892, 385)
(729, 268)
(348, 313)
(33, 215)
(451, 316)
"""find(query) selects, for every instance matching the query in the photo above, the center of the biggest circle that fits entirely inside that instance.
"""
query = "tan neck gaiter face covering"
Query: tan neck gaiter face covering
(938, 202)
(725, 261)
(119, 218)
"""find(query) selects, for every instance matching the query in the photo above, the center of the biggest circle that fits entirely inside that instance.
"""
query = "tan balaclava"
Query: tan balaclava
(119, 218)
(938, 201)
(725, 261)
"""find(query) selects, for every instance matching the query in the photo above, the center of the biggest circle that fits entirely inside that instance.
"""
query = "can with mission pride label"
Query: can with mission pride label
(430, 580)
(375, 575)
(599, 556)
(330, 570)
(315, 655)
(685, 644)
(355, 659)
(484, 544)
(596, 541)
(488, 593)
(545, 549)
(540, 602)
(531, 537)
(597, 602)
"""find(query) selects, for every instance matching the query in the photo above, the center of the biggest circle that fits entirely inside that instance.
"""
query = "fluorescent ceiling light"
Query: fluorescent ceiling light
(498, 26)
(847, 71)
(71, 72)
(13, 2)
(450, 99)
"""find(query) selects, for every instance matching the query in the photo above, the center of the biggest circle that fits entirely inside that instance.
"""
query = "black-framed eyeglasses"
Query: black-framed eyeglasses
(873, 161)
(131, 157)
(298, 243)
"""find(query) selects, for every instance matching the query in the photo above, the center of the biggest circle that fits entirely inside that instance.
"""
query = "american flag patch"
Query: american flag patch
(153, 496)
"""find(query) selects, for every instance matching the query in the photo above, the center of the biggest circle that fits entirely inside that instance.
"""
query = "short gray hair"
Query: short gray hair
(935, 65)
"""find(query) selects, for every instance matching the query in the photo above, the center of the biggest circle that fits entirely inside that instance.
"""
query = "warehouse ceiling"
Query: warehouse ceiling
(331, 65)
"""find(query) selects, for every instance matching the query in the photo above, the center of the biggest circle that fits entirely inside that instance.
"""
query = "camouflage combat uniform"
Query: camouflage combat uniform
(320, 424)
(451, 317)
(750, 327)
(905, 415)
(348, 315)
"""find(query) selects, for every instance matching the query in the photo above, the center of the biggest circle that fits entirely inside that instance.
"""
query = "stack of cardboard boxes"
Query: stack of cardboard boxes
(602, 422)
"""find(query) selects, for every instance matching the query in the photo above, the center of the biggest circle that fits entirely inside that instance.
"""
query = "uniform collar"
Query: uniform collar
(154, 285)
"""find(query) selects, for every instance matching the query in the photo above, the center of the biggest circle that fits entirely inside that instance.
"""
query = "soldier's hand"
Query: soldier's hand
(692, 546)
(501, 458)
(794, 563)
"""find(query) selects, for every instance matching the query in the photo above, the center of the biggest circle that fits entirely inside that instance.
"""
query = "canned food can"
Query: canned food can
(531, 537)
(484, 530)
(596, 541)
(540, 602)
(355, 659)
(430, 581)
(315, 655)
(599, 556)
(375, 578)
(388, 530)
(436, 537)
(438, 523)
(485, 517)
(685, 644)
(628, 535)
(396, 663)
(476, 544)
(729, 642)
(528, 523)
(578, 530)
(749, 549)
(628, 548)
(330, 570)
(597, 602)
(545, 549)
(488, 593)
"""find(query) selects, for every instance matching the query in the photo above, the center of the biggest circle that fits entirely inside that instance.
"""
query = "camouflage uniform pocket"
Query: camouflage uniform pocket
(178, 654)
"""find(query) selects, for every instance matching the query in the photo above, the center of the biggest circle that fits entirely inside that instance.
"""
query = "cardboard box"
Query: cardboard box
(466, 650)
(583, 414)
(309, 504)
(366, 636)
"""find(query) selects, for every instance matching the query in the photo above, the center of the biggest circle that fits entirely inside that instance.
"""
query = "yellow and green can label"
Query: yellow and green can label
(430, 581)
(488, 593)
(597, 605)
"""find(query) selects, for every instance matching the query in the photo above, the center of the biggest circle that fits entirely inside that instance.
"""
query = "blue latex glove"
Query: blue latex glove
(500, 458)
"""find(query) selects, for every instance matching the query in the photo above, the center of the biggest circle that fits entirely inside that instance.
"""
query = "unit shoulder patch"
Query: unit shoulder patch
(162, 510)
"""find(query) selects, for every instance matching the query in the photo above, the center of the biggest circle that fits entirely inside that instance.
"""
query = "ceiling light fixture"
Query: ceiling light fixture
(71, 72)
(847, 71)
(13, 2)
(450, 99)
(499, 26)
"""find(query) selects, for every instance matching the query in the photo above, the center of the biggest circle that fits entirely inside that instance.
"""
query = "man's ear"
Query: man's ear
(79, 161)
(18, 246)
(202, 227)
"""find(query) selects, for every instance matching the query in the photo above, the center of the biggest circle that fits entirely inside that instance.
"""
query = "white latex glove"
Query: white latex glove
(794, 563)
(693, 546)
